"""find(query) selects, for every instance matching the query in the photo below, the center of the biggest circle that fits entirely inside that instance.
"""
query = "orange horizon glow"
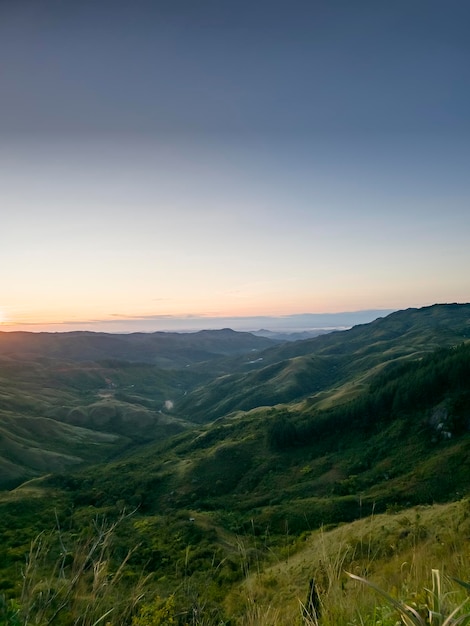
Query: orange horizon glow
(46, 323)
(22, 317)
(55, 322)
(76, 315)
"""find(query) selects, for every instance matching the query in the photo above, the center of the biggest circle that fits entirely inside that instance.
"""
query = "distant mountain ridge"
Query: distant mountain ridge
(189, 324)
(294, 370)
(71, 398)
(293, 336)
(160, 348)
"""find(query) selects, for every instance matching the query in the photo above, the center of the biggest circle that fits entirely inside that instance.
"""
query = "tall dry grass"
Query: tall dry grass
(397, 552)
(377, 571)
(75, 581)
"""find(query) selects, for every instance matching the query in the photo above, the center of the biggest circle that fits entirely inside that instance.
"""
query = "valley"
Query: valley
(218, 472)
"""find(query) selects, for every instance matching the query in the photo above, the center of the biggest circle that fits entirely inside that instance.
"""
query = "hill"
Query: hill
(99, 408)
(74, 398)
(166, 350)
(295, 371)
(307, 466)
(356, 448)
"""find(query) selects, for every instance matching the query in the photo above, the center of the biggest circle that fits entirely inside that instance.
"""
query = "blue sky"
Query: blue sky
(224, 159)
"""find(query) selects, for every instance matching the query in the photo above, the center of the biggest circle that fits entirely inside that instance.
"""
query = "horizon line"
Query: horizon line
(293, 322)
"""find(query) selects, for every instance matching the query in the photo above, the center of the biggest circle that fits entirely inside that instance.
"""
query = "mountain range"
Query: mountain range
(237, 432)
(68, 398)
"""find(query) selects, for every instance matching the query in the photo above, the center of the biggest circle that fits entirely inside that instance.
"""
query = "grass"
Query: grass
(395, 551)
(372, 572)
(76, 583)
(437, 609)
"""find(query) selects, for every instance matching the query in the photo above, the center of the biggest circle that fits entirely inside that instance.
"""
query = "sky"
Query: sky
(168, 161)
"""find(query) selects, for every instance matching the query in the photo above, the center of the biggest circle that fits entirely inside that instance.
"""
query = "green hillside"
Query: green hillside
(86, 397)
(159, 348)
(311, 466)
(297, 370)
(354, 456)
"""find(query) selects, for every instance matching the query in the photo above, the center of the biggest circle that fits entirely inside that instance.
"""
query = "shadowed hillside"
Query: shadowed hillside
(74, 398)
(298, 370)
(112, 385)
(159, 348)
